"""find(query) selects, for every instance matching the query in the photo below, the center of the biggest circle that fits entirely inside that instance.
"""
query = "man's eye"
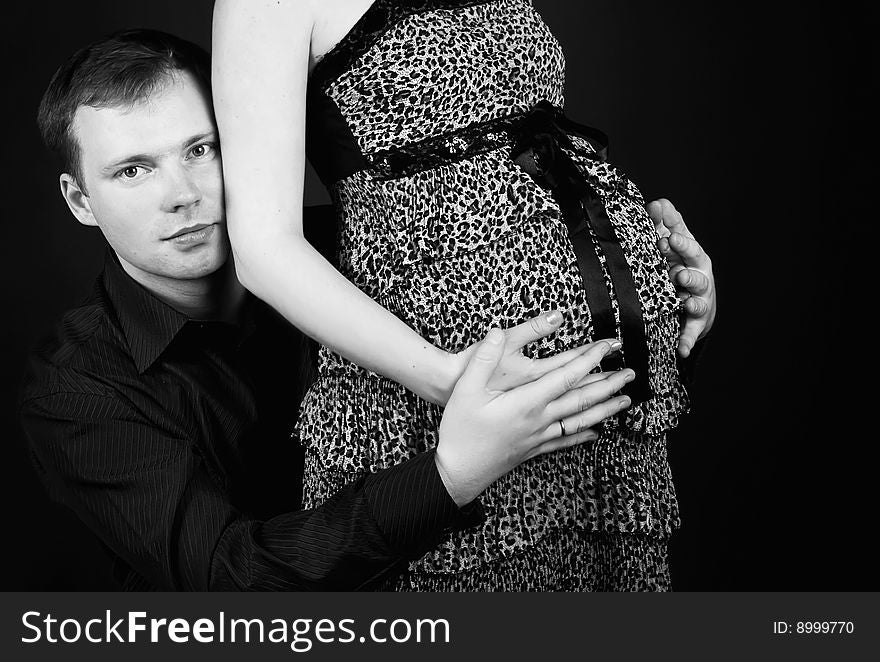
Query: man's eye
(200, 151)
(129, 173)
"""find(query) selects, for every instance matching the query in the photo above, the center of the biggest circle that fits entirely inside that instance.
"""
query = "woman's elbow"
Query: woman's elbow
(241, 273)
(257, 254)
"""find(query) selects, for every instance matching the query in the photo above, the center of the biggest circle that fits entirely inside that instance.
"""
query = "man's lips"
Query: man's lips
(189, 229)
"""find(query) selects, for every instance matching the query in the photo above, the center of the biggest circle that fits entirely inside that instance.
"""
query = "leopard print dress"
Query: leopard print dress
(466, 200)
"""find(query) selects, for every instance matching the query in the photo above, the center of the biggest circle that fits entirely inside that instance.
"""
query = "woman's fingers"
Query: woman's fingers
(579, 400)
(543, 366)
(533, 330)
(565, 378)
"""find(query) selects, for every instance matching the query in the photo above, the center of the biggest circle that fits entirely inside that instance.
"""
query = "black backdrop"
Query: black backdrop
(745, 114)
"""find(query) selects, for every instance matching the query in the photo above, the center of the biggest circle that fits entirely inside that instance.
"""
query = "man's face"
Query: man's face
(154, 181)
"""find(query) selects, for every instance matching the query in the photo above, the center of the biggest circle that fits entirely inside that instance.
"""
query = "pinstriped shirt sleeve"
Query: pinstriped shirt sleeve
(169, 437)
(147, 495)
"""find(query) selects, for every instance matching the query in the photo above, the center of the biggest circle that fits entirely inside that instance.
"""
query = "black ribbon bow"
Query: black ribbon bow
(541, 141)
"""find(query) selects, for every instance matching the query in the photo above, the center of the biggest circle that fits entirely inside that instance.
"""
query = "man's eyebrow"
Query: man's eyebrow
(128, 159)
(132, 158)
(200, 137)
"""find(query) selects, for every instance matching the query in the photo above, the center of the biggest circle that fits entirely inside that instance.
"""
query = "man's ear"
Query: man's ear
(76, 199)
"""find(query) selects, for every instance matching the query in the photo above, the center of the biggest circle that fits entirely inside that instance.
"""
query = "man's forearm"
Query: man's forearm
(363, 533)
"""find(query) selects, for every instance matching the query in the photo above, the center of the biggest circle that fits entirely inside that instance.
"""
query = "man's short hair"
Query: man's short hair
(119, 70)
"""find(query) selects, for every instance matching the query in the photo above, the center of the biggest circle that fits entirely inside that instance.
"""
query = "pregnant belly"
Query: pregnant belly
(454, 300)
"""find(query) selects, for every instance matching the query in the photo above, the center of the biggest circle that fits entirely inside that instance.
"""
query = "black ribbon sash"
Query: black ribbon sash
(539, 141)
(540, 138)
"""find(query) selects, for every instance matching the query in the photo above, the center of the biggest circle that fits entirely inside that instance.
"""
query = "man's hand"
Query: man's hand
(486, 432)
(691, 271)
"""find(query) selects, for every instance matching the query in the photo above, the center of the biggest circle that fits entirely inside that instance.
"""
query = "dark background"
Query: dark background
(747, 115)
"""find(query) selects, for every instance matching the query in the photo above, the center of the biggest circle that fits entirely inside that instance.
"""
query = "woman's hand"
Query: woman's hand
(514, 368)
(485, 432)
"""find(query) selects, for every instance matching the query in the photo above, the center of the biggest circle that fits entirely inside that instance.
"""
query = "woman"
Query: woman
(465, 200)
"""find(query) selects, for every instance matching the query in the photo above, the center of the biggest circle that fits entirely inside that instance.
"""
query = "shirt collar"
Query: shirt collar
(148, 323)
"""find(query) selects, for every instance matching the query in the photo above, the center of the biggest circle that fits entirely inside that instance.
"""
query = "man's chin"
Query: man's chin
(204, 269)
(199, 264)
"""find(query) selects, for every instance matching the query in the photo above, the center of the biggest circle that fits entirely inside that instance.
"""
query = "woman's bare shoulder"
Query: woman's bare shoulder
(249, 15)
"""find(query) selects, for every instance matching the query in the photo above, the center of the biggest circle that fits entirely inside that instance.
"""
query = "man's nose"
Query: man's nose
(182, 189)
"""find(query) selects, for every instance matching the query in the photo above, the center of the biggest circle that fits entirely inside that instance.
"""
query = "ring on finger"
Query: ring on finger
(561, 428)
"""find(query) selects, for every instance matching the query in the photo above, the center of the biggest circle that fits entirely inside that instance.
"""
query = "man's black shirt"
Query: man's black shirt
(170, 438)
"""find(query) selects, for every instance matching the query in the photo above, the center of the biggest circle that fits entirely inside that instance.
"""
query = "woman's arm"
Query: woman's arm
(261, 54)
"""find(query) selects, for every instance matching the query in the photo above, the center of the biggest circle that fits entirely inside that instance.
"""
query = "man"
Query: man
(160, 412)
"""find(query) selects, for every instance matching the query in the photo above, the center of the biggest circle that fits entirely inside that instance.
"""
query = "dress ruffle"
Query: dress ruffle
(570, 560)
(619, 484)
